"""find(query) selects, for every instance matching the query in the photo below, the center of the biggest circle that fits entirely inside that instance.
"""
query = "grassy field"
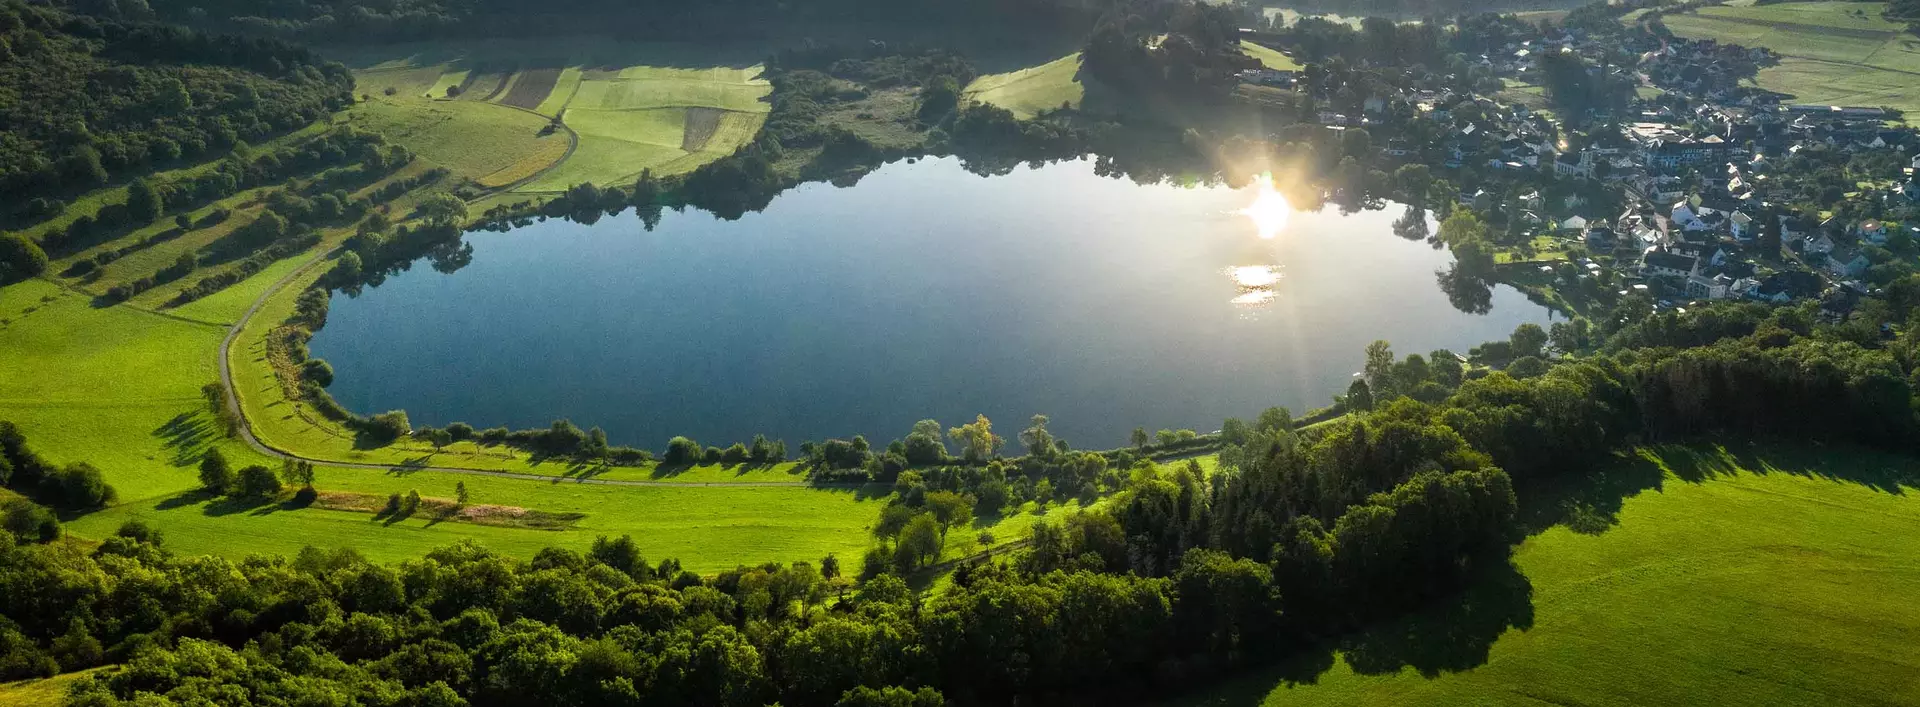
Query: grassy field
(1270, 58)
(1751, 577)
(1830, 54)
(1028, 91)
(48, 692)
(472, 138)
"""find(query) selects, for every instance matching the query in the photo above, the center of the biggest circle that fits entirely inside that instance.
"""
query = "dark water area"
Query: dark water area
(922, 292)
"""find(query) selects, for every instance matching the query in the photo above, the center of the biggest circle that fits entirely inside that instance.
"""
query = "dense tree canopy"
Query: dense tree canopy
(89, 98)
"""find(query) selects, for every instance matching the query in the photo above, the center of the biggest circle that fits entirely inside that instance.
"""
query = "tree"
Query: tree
(1359, 396)
(977, 440)
(924, 446)
(1273, 420)
(297, 471)
(20, 258)
(830, 566)
(1379, 368)
(950, 509)
(257, 482)
(1036, 438)
(386, 427)
(1528, 340)
(919, 543)
(144, 205)
(216, 476)
(864, 696)
(443, 209)
(460, 493)
(1139, 438)
(681, 451)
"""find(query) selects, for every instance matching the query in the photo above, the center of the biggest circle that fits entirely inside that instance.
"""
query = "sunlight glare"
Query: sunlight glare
(1269, 210)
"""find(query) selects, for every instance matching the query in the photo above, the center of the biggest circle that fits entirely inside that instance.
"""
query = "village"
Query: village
(1676, 181)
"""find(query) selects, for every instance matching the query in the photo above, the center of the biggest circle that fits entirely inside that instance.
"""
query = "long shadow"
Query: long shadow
(188, 436)
(1452, 635)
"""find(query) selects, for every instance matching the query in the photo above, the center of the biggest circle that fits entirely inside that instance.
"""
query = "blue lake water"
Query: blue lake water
(922, 292)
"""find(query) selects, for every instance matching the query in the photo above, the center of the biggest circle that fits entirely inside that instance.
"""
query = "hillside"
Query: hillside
(86, 101)
(1759, 575)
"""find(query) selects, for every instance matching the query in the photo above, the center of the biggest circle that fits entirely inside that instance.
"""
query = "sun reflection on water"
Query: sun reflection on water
(1269, 210)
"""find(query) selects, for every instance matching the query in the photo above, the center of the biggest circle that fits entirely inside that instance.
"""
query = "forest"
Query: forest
(390, 20)
(89, 100)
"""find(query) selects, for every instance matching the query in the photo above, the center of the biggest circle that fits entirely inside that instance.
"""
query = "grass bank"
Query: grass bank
(1743, 576)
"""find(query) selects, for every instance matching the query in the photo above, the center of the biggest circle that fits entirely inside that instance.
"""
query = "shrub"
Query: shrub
(258, 482)
(386, 427)
(79, 485)
(318, 371)
(682, 452)
(216, 476)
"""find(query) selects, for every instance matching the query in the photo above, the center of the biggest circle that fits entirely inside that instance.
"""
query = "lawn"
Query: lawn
(1028, 91)
(1829, 54)
(1270, 58)
(1757, 576)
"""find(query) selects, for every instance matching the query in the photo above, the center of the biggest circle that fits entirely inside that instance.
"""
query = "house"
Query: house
(1684, 216)
(1703, 286)
(1660, 263)
(1741, 225)
(1601, 238)
(1873, 231)
(1846, 263)
(1820, 244)
(1576, 223)
(1793, 227)
(1782, 287)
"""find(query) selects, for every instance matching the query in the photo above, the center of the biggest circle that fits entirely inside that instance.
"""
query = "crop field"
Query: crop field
(563, 89)
(1028, 91)
(1829, 54)
(473, 139)
(1749, 577)
(531, 88)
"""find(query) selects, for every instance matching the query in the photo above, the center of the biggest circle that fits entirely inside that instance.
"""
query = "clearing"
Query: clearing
(1834, 53)
(1029, 91)
(1758, 576)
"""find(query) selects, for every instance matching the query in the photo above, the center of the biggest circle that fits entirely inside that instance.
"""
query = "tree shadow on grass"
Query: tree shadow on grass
(1701, 462)
(188, 436)
(1452, 635)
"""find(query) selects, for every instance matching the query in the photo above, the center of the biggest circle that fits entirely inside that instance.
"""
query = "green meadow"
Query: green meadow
(1835, 53)
(1744, 576)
